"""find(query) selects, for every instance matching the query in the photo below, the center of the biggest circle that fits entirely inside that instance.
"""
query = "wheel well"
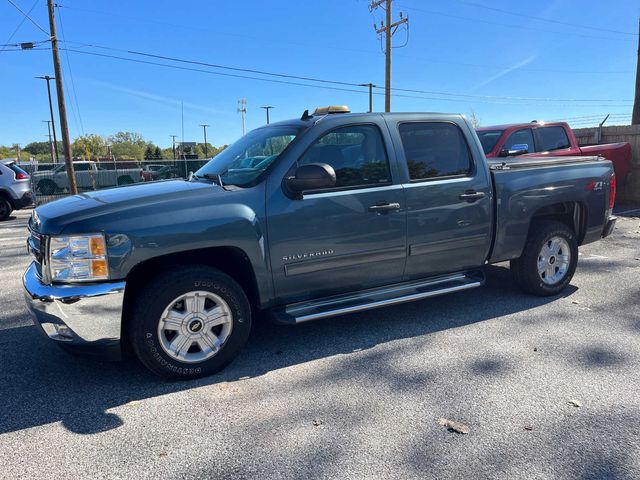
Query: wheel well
(231, 260)
(572, 214)
(7, 197)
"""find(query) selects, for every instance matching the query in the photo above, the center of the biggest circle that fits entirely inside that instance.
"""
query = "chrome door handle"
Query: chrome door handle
(471, 196)
(384, 206)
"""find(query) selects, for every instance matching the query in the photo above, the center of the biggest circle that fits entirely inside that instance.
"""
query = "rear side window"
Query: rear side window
(521, 137)
(552, 138)
(434, 149)
(81, 167)
(356, 153)
(20, 173)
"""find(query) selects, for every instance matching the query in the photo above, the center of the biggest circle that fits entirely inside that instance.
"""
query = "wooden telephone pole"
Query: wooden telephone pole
(62, 109)
(387, 28)
(635, 118)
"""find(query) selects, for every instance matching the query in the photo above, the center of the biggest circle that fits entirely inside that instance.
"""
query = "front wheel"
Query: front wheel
(549, 259)
(189, 322)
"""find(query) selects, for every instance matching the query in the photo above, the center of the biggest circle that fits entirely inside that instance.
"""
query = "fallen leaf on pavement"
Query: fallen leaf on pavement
(528, 428)
(574, 403)
(317, 423)
(133, 403)
(454, 426)
(575, 302)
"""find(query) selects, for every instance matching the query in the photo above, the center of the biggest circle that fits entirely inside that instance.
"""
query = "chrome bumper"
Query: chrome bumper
(78, 315)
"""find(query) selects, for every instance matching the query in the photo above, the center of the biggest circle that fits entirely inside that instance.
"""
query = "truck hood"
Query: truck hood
(53, 217)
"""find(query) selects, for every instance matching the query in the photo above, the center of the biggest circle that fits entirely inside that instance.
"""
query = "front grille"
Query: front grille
(35, 245)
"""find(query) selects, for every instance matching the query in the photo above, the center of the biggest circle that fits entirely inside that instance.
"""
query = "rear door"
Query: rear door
(343, 239)
(448, 197)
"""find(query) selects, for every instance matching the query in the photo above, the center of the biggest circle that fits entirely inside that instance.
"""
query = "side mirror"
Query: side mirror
(312, 176)
(516, 149)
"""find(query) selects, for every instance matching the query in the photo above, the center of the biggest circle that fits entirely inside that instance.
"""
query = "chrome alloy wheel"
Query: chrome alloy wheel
(553, 260)
(195, 326)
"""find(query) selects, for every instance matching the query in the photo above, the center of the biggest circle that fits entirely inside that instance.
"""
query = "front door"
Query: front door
(448, 197)
(347, 238)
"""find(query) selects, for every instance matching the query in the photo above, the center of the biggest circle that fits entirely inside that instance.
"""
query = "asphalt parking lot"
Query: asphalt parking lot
(352, 397)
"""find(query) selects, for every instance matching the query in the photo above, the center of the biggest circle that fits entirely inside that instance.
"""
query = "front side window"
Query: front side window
(520, 137)
(356, 153)
(434, 149)
(553, 138)
(242, 163)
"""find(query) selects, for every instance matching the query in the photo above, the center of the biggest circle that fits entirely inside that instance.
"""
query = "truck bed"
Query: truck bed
(525, 186)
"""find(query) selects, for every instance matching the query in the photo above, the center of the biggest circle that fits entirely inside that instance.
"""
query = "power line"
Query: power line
(548, 20)
(337, 82)
(19, 25)
(26, 15)
(287, 82)
(517, 27)
(73, 83)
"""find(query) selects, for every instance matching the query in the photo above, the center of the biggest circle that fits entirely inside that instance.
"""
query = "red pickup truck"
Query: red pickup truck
(538, 139)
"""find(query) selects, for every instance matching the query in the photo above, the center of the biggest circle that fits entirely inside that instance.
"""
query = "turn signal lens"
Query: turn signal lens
(98, 268)
(96, 246)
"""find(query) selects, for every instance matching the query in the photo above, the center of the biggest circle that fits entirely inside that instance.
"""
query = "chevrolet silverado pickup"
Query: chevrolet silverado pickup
(542, 139)
(314, 217)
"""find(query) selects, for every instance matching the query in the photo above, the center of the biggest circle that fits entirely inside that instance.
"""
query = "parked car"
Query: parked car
(15, 188)
(89, 176)
(540, 139)
(167, 172)
(149, 170)
(325, 215)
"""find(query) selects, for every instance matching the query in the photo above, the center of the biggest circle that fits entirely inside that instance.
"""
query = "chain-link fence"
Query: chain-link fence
(50, 182)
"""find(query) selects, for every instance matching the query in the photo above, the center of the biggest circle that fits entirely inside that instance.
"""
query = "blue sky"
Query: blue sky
(469, 49)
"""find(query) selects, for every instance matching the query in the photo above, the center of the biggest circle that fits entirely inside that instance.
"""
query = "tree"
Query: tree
(88, 147)
(474, 119)
(37, 148)
(128, 146)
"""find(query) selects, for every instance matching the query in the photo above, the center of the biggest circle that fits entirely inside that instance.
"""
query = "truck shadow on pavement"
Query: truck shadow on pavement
(41, 384)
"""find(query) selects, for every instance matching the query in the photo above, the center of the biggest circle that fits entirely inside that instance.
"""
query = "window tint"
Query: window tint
(17, 170)
(356, 153)
(520, 137)
(489, 138)
(552, 138)
(80, 167)
(434, 150)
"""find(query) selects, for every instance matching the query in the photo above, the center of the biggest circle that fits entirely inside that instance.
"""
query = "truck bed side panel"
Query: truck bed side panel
(522, 192)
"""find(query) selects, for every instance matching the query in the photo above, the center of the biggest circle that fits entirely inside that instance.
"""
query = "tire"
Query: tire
(163, 331)
(543, 269)
(5, 209)
(47, 187)
(125, 180)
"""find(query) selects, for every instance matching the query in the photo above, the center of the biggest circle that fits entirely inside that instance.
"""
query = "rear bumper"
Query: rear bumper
(86, 317)
(25, 201)
(609, 226)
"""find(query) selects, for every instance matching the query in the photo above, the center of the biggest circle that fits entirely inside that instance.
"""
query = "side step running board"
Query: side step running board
(377, 297)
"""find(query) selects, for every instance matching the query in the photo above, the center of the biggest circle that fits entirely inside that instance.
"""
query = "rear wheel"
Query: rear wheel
(549, 259)
(189, 322)
(5, 208)
(47, 187)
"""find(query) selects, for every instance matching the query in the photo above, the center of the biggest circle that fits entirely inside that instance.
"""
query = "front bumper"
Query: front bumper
(610, 225)
(81, 316)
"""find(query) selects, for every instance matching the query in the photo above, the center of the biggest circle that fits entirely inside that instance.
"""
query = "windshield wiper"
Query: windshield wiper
(216, 177)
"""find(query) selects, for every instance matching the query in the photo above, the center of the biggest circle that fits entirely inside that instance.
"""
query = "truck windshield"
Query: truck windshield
(489, 138)
(242, 163)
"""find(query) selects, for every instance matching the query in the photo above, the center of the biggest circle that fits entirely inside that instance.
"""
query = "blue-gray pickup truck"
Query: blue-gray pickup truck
(324, 215)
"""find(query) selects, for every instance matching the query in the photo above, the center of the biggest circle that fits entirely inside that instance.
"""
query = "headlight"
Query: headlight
(78, 258)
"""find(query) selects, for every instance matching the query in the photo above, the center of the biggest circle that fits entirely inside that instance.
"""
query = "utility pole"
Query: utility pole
(635, 118)
(54, 158)
(267, 108)
(388, 29)
(62, 109)
(242, 108)
(17, 147)
(50, 142)
(206, 151)
(370, 85)
(173, 137)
